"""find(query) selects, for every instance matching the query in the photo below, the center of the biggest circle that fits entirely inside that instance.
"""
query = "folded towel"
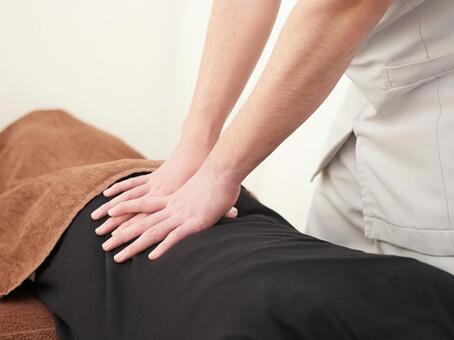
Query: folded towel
(24, 317)
(43, 184)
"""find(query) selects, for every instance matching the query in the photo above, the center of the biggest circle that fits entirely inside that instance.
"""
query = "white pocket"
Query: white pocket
(410, 75)
(405, 158)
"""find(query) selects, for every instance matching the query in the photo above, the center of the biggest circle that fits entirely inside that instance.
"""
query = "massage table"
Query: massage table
(24, 317)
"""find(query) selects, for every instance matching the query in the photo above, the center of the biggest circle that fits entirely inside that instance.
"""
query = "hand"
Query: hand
(166, 179)
(195, 206)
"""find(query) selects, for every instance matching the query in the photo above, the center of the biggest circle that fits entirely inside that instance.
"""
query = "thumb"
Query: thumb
(232, 213)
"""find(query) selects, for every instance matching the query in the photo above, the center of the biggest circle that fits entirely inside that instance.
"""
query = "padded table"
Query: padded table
(24, 317)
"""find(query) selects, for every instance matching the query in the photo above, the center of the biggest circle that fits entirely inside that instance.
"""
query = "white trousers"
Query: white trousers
(335, 214)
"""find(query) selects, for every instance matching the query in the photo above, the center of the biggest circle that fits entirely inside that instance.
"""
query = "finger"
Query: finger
(112, 223)
(146, 204)
(125, 196)
(125, 225)
(126, 185)
(134, 230)
(147, 239)
(173, 238)
(232, 213)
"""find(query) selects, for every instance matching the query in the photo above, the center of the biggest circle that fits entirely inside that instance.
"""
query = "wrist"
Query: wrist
(224, 171)
(201, 130)
(191, 153)
(222, 179)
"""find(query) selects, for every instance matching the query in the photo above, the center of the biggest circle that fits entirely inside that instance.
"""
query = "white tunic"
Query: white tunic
(387, 172)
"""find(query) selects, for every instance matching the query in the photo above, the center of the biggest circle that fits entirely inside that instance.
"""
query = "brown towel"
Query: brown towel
(45, 181)
(24, 317)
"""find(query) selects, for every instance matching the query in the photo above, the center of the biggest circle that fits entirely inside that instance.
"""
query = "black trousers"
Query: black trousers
(253, 277)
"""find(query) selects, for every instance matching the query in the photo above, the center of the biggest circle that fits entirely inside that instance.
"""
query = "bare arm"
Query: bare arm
(237, 33)
(314, 48)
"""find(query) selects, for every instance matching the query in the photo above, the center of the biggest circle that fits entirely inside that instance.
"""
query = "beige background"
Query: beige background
(129, 67)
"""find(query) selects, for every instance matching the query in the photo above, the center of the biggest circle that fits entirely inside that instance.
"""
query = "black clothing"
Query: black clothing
(252, 277)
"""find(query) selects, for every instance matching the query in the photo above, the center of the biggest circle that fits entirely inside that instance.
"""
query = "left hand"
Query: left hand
(195, 206)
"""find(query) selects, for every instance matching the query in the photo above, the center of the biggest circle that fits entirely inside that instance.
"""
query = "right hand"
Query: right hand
(166, 179)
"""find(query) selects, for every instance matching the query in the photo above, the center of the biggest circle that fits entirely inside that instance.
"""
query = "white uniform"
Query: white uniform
(386, 181)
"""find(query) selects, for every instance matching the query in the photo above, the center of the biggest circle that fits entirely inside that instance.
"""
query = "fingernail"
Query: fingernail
(98, 230)
(151, 256)
(118, 257)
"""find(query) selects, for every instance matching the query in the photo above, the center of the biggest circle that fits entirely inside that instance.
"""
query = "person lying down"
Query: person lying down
(250, 277)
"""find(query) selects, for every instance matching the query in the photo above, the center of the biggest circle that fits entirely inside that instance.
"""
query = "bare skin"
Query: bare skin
(315, 46)
(227, 63)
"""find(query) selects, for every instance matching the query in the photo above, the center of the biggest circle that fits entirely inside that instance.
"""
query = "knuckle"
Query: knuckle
(135, 233)
(143, 204)
(120, 208)
(119, 236)
(140, 225)
(151, 234)
(176, 235)
(128, 234)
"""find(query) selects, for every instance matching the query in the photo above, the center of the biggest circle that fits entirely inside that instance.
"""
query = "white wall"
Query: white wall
(129, 67)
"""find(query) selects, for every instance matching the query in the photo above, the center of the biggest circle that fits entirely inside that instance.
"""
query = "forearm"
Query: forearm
(237, 33)
(314, 48)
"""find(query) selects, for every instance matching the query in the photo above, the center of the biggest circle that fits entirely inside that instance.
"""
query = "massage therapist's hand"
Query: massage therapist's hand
(171, 175)
(195, 206)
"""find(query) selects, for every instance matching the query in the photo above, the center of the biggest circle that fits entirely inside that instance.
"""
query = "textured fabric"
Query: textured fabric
(51, 165)
(403, 124)
(24, 317)
(254, 277)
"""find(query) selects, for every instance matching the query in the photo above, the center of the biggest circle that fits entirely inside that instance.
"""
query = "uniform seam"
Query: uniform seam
(418, 82)
(389, 82)
(328, 154)
(439, 228)
(421, 36)
(367, 207)
(440, 163)
(364, 194)
(368, 211)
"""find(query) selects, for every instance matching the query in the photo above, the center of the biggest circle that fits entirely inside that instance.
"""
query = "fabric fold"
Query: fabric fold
(45, 181)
